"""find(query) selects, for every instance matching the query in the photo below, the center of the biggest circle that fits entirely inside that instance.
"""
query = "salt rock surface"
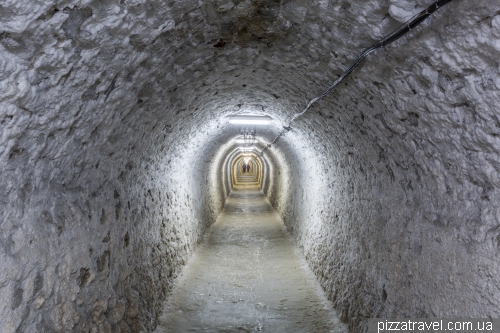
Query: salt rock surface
(113, 138)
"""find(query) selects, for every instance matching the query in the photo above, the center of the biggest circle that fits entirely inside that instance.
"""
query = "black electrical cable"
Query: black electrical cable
(390, 38)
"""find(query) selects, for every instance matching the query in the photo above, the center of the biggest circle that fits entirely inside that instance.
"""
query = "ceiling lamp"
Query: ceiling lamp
(246, 141)
(249, 120)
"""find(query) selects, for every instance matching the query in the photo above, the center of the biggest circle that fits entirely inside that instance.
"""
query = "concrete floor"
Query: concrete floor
(248, 276)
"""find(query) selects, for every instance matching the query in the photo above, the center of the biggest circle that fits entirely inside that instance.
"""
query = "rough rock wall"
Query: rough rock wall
(98, 245)
(406, 220)
(95, 246)
(106, 103)
(101, 203)
(280, 186)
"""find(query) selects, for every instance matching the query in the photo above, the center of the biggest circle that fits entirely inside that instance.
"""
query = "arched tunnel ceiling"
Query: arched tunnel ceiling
(155, 66)
(109, 107)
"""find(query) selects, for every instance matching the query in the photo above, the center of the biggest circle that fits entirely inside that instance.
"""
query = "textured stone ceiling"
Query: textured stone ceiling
(103, 102)
(175, 66)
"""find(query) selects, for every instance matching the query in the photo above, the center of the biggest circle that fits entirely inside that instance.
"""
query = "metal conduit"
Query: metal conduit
(392, 37)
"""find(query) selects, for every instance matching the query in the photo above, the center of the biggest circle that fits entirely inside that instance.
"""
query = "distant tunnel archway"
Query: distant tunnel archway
(117, 153)
(253, 177)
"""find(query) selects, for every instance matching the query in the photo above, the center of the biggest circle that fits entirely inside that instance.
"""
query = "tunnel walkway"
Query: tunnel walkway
(248, 276)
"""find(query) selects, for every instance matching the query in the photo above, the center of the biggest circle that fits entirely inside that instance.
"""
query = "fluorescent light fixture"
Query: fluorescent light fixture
(249, 120)
(246, 141)
(247, 149)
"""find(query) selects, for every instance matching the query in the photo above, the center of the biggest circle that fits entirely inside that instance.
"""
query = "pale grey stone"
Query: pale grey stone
(113, 135)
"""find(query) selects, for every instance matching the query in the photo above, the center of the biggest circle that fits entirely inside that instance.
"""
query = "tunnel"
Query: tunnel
(117, 154)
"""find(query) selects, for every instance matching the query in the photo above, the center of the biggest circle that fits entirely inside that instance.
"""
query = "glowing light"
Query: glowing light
(246, 141)
(249, 120)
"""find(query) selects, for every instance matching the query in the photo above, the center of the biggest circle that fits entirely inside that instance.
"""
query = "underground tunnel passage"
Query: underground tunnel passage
(117, 155)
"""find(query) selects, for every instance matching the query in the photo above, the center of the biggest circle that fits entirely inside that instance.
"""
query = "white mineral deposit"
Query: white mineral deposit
(124, 207)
